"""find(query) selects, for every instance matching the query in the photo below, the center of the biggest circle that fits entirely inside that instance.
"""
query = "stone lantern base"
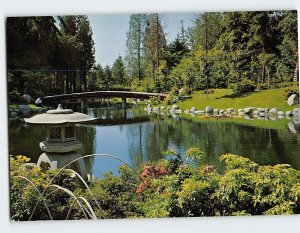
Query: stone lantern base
(52, 161)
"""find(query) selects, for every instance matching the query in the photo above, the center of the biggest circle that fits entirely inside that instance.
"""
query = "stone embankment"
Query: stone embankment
(247, 113)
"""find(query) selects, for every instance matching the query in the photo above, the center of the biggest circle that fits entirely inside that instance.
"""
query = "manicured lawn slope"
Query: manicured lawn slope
(222, 99)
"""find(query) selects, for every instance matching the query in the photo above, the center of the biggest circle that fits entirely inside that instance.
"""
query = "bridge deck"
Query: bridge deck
(103, 94)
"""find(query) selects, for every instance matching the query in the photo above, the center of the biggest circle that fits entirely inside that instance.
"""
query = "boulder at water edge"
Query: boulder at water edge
(24, 109)
(38, 101)
(273, 111)
(27, 98)
(193, 109)
(175, 106)
(230, 110)
(293, 99)
(249, 110)
(209, 109)
(296, 111)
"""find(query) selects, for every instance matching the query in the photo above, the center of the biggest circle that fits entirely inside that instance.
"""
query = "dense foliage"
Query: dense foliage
(180, 185)
(56, 54)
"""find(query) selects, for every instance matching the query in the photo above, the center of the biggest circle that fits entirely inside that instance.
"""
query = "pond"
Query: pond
(136, 136)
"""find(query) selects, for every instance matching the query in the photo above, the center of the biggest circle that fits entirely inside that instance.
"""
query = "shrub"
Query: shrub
(172, 187)
(14, 97)
(155, 100)
(209, 91)
(243, 87)
(262, 86)
(288, 92)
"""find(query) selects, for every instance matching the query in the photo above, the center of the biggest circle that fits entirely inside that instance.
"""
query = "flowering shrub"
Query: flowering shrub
(173, 187)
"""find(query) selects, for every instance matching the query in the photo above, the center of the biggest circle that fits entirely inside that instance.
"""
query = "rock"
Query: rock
(266, 110)
(156, 109)
(230, 110)
(38, 101)
(293, 99)
(193, 109)
(296, 111)
(273, 117)
(256, 113)
(149, 109)
(27, 98)
(247, 117)
(175, 106)
(296, 120)
(241, 110)
(179, 111)
(24, 109)
(289, 113)
(169, 108)
(13, 114)
(175, 116)
(187, 111)
(262, 114)
(209, 109)
(292, 127)
(280, 113)
(162, 107)
(249, 110)
(221, 111)
(273, 111)
(260, 109)
(216, 111)
(200, 112)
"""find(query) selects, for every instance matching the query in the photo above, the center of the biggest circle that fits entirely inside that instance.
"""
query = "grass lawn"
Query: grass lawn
(221, 99)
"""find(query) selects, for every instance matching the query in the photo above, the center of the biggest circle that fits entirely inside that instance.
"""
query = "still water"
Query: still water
(136, 137)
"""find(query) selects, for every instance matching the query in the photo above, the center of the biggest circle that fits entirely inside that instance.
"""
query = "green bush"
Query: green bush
(180, 185)
(243, 87)
(288, 92)
(15, 97)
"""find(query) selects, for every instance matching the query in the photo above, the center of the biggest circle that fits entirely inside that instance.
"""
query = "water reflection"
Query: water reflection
(136, 137)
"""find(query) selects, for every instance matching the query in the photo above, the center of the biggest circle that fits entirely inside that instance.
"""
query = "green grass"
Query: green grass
(221, 100)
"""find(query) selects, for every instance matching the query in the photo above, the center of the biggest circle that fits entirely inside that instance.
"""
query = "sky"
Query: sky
(109, 33)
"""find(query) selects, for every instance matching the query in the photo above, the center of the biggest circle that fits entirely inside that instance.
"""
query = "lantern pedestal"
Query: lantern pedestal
(52, 161)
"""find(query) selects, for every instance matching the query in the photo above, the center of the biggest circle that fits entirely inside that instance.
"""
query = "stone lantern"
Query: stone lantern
(60, 146)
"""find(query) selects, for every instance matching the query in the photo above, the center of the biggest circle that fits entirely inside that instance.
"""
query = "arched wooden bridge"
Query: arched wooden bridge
(82, 97)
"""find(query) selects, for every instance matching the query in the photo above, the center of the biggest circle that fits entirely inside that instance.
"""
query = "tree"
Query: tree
(118, 72)
(135, 47)
(30, 47)
(154, 43)
(288, 46)
(87, 51)
(107, 79)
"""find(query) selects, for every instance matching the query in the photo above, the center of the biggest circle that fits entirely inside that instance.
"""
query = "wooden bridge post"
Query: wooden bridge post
(123, 103)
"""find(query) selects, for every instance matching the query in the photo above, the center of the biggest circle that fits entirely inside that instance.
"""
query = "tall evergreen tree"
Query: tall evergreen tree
(135, 47)
(155, 43)
(118, 72)
(87, 51)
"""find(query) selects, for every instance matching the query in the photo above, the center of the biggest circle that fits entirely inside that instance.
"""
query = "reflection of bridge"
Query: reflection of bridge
(121, 121)
(82, 97)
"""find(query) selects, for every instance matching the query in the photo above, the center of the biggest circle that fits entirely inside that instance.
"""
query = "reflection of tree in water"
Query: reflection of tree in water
(24, 139)
(262, 145)
(86, 134)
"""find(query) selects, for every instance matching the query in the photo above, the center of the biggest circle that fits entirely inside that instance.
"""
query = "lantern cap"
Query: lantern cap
(59, 116)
